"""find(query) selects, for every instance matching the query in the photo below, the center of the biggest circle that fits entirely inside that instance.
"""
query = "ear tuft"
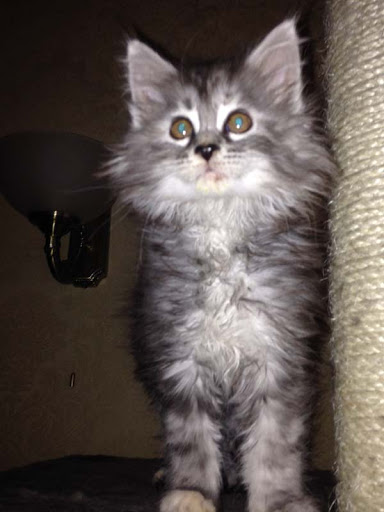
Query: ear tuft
(147, 72)
(277, 58)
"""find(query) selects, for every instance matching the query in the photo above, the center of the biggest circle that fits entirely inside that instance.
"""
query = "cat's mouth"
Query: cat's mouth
(212, 180)
(213, 174)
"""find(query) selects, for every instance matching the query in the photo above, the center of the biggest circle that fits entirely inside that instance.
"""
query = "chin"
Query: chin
(213, 185)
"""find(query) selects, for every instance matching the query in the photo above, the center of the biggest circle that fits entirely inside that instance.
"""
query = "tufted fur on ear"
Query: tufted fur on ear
(147, 74)
(277, 58)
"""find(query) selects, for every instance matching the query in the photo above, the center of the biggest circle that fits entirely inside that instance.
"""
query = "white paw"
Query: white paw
(185, 501)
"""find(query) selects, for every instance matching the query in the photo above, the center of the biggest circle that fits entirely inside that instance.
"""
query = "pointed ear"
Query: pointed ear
(147, 72)
(277, 58)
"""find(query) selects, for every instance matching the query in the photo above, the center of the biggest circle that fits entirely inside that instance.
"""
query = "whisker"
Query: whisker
(141, 246)
(116, 221)
(110, 219)
(91, 188)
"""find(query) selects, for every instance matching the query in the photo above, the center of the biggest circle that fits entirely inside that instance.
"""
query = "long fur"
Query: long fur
(231, 298)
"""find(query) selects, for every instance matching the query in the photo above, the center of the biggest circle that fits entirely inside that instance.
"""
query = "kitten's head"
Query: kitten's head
(218, 131)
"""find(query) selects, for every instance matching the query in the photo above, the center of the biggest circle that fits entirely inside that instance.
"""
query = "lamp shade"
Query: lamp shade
(54, 179)
(47, 171)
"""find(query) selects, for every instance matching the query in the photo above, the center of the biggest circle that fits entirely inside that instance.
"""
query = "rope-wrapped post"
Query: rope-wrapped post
(356, 120)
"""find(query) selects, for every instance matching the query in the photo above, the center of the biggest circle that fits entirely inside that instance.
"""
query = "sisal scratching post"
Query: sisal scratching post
(356, 119)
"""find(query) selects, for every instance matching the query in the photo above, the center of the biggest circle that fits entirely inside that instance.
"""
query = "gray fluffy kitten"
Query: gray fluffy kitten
(226, 169)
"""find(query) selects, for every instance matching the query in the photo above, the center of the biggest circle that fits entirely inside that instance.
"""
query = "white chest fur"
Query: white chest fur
(226, 327)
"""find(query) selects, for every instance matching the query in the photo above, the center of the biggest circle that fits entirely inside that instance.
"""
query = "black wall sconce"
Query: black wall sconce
(53, 179)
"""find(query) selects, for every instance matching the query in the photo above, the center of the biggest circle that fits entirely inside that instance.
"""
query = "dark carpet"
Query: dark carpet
(109, 484)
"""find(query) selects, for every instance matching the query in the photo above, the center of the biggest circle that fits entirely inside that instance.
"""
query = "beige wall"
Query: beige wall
(61, 73)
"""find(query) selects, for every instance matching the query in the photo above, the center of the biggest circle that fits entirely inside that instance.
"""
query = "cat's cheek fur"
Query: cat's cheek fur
(173, 188)
(254, 182)
(178, 190)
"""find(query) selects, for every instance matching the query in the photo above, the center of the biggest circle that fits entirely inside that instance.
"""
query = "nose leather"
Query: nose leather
(206, 151)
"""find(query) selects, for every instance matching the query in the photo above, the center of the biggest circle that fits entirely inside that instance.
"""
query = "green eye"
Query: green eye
(238, 122)
(181, 128)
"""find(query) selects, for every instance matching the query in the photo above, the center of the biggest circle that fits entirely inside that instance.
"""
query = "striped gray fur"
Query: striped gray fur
(231, 296)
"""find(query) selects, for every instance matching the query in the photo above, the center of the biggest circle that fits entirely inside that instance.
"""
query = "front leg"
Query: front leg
(272, 459)
(193, 461)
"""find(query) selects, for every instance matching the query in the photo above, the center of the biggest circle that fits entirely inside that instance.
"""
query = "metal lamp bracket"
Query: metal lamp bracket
(86, 262)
